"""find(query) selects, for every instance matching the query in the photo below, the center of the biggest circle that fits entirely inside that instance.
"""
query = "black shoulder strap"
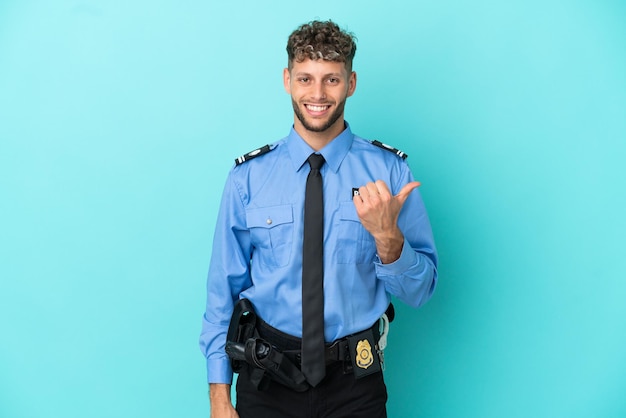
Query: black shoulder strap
(253, 154)
(396, 151)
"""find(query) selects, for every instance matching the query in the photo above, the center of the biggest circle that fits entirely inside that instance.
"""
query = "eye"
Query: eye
(333, 80)
(303, 79)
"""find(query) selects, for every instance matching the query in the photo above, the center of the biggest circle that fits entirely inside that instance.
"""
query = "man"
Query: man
(374, 242)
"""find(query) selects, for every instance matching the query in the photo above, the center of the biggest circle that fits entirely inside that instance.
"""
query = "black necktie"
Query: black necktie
(313, 362)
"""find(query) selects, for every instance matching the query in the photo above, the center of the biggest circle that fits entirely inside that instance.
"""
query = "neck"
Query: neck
(318, 140)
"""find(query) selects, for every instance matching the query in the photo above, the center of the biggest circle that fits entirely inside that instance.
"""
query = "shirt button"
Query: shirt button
(269, 221)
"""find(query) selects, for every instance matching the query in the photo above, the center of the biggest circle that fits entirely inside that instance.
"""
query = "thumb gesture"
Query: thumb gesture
(378, 211)
(404, 193)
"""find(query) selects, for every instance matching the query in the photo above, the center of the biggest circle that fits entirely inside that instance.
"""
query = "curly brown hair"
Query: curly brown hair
(321, 40)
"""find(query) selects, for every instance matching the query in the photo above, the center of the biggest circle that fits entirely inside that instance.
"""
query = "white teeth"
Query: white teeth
(317, 108)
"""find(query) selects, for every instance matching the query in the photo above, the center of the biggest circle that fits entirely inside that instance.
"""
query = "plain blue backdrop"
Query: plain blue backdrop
(120, 119)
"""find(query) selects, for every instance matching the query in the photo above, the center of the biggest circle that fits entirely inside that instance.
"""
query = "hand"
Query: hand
(221, 406)
(378, 211)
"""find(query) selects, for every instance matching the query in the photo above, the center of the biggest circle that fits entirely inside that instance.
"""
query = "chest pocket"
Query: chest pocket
(271, 231)
(354, 244)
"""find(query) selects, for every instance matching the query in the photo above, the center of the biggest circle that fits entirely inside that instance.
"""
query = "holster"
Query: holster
(265, 362)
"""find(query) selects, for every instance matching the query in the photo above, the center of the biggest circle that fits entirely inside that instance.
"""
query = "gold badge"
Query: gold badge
(364, 357)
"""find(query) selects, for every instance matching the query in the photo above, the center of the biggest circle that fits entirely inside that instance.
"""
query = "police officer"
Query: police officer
(377, 243)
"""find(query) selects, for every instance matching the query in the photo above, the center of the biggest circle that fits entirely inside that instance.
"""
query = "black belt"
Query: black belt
(337, 351)
(270, 354)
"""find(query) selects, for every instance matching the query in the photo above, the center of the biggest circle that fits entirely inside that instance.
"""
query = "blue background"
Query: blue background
(120, 119)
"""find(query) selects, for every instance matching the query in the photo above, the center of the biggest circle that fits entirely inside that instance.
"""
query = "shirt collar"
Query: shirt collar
(334, 152)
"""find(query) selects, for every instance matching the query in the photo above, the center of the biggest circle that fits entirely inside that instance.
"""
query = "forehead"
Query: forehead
(318, 67)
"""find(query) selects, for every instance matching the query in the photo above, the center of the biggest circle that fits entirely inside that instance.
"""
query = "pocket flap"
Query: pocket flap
(269, 217)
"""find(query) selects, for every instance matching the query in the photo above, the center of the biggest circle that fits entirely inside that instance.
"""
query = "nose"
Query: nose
(318, 91)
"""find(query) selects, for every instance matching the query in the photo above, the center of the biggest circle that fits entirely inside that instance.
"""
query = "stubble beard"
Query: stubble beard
(334, 117)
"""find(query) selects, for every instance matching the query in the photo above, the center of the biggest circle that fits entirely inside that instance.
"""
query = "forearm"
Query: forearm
(219, 393)
(219, 396)
(411, 278)
(389, 245)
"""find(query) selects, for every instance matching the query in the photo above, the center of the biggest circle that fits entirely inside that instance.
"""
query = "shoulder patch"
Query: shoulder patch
(396, 151)
(253, 154)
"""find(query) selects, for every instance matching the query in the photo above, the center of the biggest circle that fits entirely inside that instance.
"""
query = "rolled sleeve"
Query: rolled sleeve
(411, 278)
(407, 259)
(219, 371)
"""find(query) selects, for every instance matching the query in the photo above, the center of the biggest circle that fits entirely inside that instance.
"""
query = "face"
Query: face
(319, 90)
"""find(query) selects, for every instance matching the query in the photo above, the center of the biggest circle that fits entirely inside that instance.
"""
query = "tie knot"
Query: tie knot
(316, 161)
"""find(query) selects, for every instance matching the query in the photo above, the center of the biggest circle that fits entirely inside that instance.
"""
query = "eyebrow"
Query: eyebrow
(301, 74)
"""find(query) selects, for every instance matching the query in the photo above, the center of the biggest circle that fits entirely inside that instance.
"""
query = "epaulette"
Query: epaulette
(253, 154)
(396, 151)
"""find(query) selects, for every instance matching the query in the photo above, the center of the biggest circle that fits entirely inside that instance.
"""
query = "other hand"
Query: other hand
(378, 211)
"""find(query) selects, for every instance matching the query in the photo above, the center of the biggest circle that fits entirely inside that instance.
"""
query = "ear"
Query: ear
(287, 80)
(351, 83)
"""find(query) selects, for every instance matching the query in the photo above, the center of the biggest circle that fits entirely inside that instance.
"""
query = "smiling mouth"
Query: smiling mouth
(317, 108)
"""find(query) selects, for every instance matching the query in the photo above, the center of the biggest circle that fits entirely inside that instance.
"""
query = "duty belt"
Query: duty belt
(338, 351)
(276, 355)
